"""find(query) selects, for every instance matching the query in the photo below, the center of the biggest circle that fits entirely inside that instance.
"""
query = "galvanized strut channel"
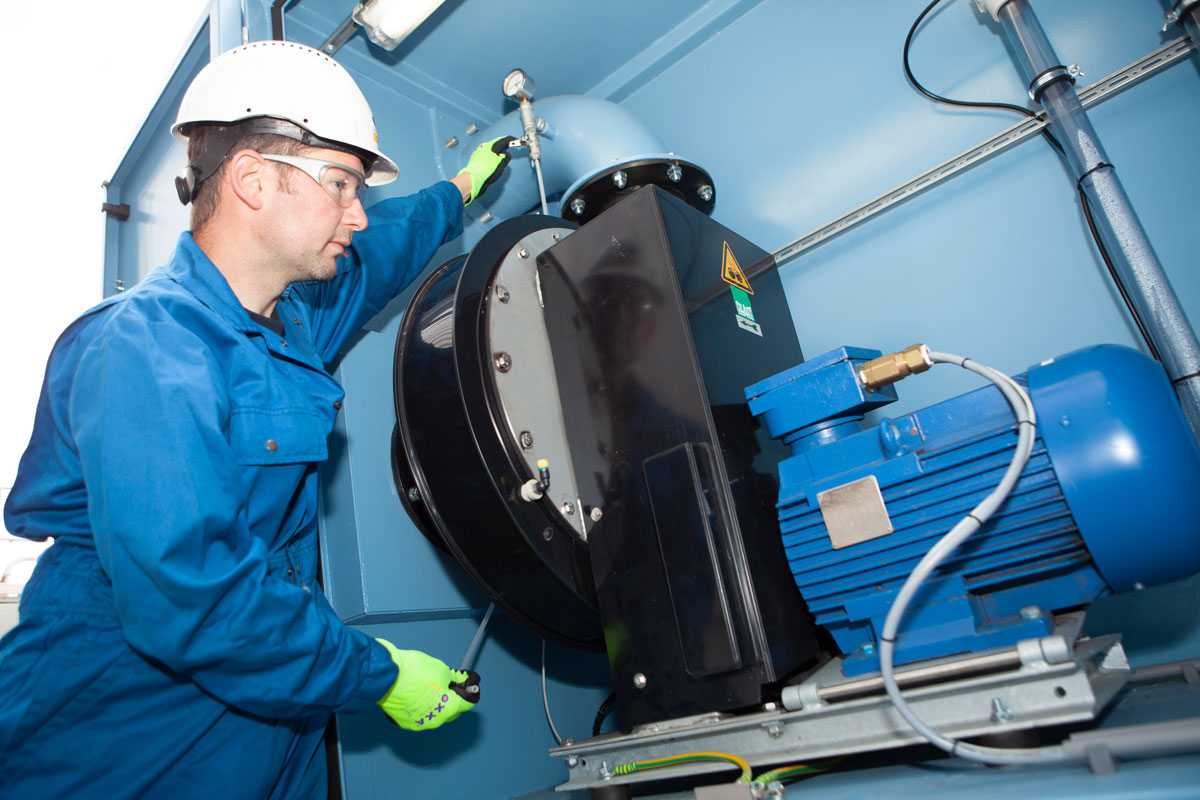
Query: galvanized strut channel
(1154, 62)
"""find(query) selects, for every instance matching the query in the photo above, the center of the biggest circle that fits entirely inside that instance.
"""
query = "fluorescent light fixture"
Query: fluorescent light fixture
(389, 22)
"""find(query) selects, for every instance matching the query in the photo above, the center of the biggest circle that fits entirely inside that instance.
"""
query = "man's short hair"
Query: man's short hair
(204, 201)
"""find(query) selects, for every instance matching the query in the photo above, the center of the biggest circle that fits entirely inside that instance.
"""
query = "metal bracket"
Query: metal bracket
(1030, 695)
(118, 212)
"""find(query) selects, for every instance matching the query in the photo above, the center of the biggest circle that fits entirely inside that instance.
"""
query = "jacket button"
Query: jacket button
(337, 404)
(272, 445)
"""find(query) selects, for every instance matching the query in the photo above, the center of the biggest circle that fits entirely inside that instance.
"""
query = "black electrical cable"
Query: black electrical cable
(1112, 270)
(917, 84)
(602, 712)
(1087, 212)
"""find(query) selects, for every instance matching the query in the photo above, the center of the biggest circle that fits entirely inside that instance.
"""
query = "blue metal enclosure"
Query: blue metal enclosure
(800, 112)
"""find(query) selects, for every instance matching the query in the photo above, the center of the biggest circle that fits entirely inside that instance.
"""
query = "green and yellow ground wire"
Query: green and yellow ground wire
(636, 766)
(765, 778)
(791, 771)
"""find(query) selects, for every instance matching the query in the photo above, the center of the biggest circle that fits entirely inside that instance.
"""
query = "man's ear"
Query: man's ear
(248, 178)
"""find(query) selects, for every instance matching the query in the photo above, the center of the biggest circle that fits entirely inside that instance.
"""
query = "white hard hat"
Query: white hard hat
(278, 83)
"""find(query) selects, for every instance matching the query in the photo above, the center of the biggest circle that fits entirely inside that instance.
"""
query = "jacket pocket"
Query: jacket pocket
(278, 436)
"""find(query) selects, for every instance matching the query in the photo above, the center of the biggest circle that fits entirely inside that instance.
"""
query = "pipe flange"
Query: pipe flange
(1048, 77)
(690, 183)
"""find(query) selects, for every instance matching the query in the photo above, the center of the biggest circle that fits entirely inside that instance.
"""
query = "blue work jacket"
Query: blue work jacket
(173, 640)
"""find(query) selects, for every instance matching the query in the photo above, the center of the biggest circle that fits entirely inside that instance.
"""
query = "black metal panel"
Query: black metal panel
(649, 360)
(458, 460)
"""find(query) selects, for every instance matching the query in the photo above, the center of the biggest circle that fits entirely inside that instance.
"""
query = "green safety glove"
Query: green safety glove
(486, 165)
(427, 693)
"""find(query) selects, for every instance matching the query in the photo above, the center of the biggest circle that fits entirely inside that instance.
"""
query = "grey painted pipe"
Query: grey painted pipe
(1137, 267)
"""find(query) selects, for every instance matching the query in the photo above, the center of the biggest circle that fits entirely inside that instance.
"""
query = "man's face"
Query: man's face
(309, 230)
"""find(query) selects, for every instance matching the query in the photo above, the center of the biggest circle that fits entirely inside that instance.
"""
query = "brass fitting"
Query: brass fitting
(879, 372)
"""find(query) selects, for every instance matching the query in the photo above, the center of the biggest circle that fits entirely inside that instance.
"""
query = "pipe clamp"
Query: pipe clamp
(1050, 76)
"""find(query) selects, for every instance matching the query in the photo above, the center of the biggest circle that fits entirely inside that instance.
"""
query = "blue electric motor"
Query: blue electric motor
(1106, 502)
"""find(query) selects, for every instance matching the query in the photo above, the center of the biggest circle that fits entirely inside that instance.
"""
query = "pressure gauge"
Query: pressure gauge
(517, 85)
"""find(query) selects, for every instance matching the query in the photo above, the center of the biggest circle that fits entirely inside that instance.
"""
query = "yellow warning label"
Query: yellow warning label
(731, 271)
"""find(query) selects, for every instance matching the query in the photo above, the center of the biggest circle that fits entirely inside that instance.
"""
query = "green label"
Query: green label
(745, 314)
(741, 302)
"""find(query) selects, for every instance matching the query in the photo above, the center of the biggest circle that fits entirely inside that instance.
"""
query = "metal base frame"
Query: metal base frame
(1034, 694)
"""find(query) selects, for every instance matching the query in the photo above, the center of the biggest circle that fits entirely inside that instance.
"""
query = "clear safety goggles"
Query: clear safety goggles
(344, 184)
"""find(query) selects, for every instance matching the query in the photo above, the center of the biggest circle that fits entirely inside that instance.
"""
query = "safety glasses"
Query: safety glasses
(344, 184)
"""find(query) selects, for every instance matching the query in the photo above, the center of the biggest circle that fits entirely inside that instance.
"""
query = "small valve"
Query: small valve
(879, 372)
(534, 488)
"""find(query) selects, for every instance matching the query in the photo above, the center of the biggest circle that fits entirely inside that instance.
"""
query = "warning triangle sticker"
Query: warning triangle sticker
(731, 271)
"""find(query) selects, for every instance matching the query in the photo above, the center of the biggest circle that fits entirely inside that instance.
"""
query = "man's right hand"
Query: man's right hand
(427, 693)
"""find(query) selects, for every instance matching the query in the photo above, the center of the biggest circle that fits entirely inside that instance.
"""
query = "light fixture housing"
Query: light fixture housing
(389, 22)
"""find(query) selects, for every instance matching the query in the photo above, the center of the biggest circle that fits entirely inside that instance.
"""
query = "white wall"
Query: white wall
(80, 77)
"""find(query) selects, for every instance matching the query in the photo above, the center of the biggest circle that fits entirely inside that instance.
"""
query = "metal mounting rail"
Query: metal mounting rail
(1139, 70)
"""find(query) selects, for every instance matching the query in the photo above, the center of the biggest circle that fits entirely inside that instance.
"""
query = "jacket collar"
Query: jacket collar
(192, 269)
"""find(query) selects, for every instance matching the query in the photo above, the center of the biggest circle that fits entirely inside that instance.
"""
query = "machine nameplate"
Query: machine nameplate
(854, 512)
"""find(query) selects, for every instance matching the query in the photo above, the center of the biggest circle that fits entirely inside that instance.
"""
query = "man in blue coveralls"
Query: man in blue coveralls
(173, 641)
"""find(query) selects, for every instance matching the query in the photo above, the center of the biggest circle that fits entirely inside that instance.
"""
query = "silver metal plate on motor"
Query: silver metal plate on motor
(854, 512)
(523, 371)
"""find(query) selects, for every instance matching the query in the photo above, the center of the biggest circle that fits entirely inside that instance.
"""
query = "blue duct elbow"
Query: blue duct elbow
(587, 140)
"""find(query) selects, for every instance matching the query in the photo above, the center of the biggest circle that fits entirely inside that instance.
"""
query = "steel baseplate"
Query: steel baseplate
(1040, 682)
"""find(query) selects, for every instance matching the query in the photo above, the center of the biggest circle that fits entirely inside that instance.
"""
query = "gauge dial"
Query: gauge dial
(517, 84)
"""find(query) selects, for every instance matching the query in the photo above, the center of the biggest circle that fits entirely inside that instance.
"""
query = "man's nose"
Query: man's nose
(355, 217)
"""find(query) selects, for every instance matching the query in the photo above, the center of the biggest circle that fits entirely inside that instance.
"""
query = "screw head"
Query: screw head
(639, 681)
(452, 142)
(502, 294)
(472, 129)
(526, 440)
(414, 495)
(706, 193)
(868, 648)
(556, 237)
(503, 362)
(674, 173)
(1031, 612)
(596, 514)
(547, 533)
(523, 253)
(572, 762)
(577, 206)
(567, 508)
(620, 179)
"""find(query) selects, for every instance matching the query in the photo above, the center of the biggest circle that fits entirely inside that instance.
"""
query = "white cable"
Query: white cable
(537, 167)
(471, 648)
(1026, 428)
(545, 698)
